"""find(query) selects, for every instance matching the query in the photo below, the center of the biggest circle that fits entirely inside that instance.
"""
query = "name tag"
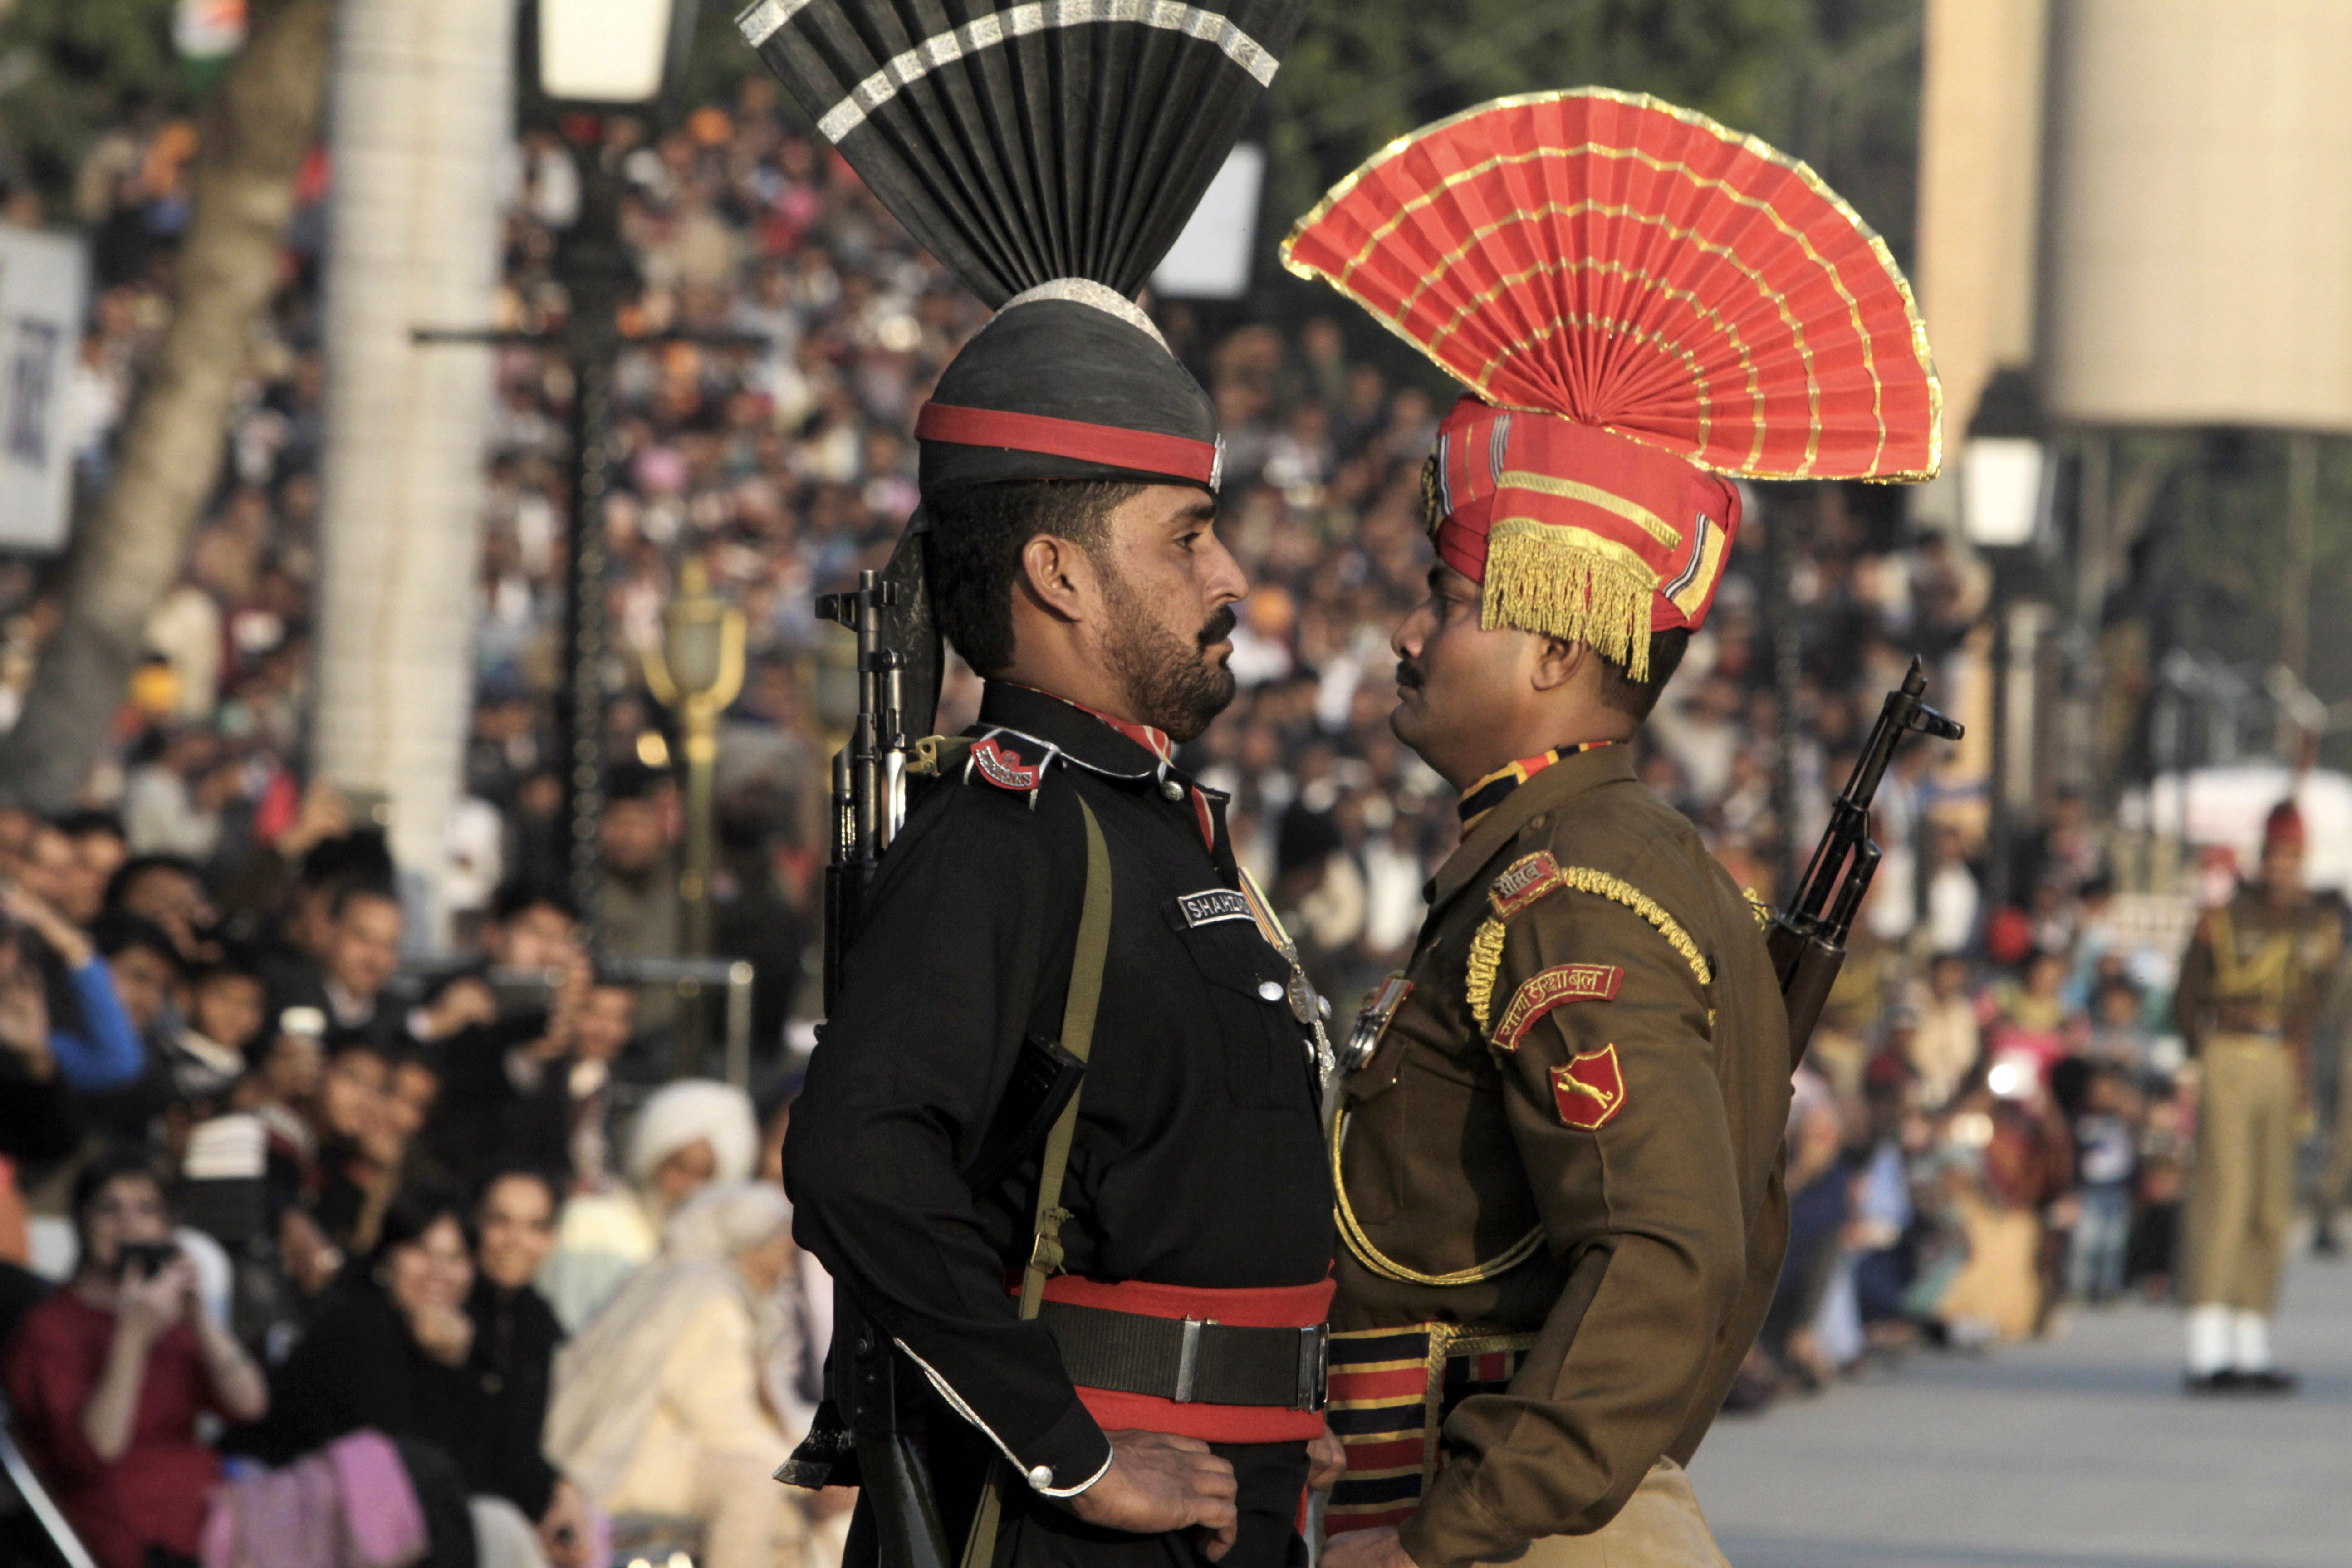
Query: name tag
(1211, 905)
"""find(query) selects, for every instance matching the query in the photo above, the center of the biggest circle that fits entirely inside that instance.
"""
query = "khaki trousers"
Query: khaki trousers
(2242, 1199)
(1659, 1527)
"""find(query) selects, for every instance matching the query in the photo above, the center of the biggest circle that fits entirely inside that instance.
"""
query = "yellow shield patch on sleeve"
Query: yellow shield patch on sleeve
(1589, 1089)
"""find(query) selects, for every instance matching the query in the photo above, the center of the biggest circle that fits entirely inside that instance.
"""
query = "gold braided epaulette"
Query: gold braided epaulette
(1533, 876)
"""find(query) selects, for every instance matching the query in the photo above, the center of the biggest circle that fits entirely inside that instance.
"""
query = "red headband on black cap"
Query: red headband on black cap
(1194, 462)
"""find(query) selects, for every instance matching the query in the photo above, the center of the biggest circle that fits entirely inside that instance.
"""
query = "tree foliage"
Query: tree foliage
(70, 70)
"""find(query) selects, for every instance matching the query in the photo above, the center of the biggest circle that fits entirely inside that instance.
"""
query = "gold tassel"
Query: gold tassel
(1486, 959)
(1569, 582)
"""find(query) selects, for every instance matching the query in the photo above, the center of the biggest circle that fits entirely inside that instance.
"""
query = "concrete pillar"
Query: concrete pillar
(422, 115)
(1979, 191)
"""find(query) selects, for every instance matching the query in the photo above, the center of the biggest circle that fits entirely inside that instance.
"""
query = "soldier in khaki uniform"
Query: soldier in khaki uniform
(1558, 1153)
(2250, 986)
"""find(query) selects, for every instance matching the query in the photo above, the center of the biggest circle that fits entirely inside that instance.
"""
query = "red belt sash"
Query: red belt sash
(1270, 1307)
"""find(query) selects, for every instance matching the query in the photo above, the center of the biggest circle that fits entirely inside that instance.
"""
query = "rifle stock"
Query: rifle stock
(1807, 938)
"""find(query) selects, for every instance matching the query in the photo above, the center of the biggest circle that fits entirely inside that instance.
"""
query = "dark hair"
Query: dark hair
(2116, 986)
(353, 891)
(517, 1173)
(631, 780)
(978, 533)
(414, 1210)
(517, 896)
(111, 1164)
(358, 856)
(117, 931)
(83, 823)
(119, 885)
(1627, 694)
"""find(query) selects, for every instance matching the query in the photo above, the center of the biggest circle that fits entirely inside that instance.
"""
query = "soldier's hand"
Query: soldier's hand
(1381, 1548)
(1157, 1482)
(1326, 1460)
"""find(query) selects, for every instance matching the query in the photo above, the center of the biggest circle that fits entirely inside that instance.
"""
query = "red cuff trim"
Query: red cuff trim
(1197, 462)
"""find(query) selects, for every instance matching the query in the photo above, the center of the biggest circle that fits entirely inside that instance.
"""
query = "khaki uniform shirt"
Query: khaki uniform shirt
(2252, 969)
(1615, 1122)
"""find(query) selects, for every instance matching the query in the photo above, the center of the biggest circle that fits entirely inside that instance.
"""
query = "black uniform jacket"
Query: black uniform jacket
(1197, 1158)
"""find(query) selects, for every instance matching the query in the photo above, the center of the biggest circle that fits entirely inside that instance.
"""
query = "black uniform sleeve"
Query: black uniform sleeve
(964, 950)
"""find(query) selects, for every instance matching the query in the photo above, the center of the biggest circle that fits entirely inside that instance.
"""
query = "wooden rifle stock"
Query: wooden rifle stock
(1807, 938)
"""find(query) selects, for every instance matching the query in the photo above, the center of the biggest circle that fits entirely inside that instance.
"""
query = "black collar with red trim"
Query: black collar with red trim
(1041, 726)
(1068, 729)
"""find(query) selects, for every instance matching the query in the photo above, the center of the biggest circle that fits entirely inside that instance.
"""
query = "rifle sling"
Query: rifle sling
(1077, 1038)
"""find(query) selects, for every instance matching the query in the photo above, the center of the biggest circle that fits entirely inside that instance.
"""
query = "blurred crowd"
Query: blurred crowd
(302, 1195)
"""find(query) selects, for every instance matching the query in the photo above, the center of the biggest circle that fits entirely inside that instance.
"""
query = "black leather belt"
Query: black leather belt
(1190, 1360)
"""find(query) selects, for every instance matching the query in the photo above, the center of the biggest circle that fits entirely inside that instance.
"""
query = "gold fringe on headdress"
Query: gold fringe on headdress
(1571, 584)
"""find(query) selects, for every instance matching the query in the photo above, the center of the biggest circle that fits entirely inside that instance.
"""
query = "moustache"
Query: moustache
(1408, 674)
(1220, 625)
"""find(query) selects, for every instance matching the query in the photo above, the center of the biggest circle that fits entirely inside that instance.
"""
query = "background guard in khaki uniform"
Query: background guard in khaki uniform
(1559, 1153)
(2250, 986)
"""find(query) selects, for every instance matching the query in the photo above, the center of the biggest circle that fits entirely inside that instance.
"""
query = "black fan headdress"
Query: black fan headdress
(1048, 152)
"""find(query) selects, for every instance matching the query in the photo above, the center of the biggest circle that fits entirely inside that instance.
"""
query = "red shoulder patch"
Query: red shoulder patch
(1589, 1089)
(1002, 766)
(1527, 878)
(1554, 987)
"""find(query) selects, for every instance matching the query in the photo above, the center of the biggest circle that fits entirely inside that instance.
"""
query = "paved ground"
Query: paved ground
(2078, 1453)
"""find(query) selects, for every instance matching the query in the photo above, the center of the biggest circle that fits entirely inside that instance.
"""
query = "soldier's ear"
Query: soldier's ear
(1558, 663)
(1058, 577)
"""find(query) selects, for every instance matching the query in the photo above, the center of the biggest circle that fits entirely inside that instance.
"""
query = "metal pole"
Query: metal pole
(739, 1024)
(2295, 591)
(597, 274)
(701, 718)
(1999, 825)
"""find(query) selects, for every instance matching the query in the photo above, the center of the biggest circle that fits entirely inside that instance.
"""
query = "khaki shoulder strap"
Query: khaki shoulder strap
(1046, 1246)
(1077, 1038)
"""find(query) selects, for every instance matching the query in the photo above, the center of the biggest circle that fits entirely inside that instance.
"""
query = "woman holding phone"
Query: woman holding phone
(109, 1375)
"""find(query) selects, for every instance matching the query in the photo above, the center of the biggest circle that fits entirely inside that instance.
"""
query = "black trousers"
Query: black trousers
(1038, 1532)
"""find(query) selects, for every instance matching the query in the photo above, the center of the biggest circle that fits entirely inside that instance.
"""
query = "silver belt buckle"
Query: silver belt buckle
(1314, 1366)
(1188, 1359)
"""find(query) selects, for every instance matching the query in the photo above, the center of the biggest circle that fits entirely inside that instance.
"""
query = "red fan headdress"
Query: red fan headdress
(1642, 300)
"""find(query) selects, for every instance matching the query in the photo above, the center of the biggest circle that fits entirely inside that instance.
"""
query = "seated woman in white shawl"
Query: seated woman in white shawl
(690, 1135)
(660, 1406)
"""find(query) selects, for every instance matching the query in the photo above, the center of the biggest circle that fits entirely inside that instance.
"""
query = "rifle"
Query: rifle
(857, 1438)
(1807, 939)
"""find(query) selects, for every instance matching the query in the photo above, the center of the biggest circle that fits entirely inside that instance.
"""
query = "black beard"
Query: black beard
(1171, 685)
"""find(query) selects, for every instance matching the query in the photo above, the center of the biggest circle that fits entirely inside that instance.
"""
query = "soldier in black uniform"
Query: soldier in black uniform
(1166, 1395)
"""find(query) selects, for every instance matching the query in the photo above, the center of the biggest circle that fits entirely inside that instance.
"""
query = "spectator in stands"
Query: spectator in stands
(359, 957)
(105, 1051)
(513, 1358)
(657, 1405)
(2106, 1164)
(689, 1135)
(170, 892)
(1947, 1039)
(391, 1348)
(640, 909)
(109, 1376)
(207, 1055)
(142, 967)
(504, 1071)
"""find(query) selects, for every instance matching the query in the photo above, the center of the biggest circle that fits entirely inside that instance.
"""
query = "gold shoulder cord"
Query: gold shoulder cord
(1487, 946)
(1486, 964)
(2265, 971)
(1351, 1231)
